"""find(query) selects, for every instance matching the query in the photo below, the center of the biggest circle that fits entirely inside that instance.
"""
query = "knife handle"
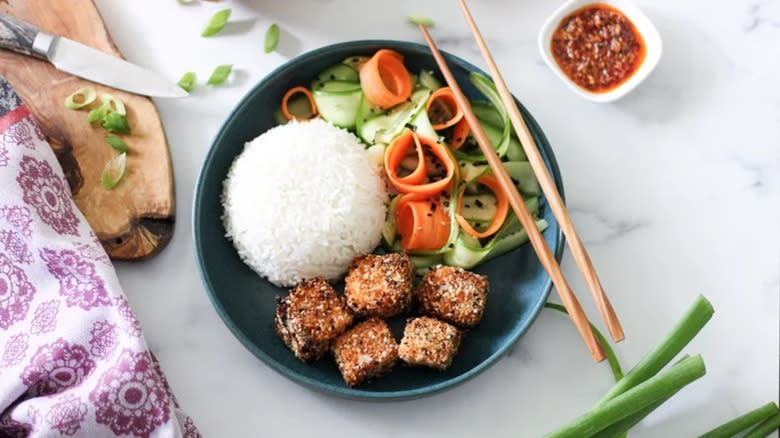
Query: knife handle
(23, 37)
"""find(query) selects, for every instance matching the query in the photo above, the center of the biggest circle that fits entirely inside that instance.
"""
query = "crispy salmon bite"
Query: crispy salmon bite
(365, 352)
(379, 285)
(310, 317)
(454, 295)
(429, 342)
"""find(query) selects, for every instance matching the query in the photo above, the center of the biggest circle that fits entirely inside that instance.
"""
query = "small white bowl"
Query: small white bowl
(643, 25)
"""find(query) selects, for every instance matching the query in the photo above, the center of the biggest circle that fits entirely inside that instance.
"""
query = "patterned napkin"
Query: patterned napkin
(73, 360)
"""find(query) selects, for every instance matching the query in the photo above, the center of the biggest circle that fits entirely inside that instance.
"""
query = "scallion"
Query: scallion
(98, 114)
(80, 98)
(216, 23)
(114, 103)
(114, 171)
(117, 143)
(271, 38)
(187, 81)
(612, 359)
(743, 422)
(689, 326)
(418, 20)
(220, 74)
(115, 122)
(764, 429)
(644, 395)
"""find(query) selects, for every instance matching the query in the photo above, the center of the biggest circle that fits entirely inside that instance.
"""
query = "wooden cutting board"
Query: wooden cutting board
(135, 220)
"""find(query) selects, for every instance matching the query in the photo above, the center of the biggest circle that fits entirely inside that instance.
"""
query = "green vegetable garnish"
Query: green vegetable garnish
(646, 394)
(216, 23)
(113, 103)
(765, 428)
(187, 81)
(220, 74)
(694, 320)
(115, 122)
(743, 422)
(271, 38)
(98, 114)
(80, 98)
(420, 20)
(185, 2)
(614, 364)
(113, 171)
(117, 143)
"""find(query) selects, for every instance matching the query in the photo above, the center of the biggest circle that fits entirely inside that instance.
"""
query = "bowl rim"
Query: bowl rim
(643, 24)
(344, 391)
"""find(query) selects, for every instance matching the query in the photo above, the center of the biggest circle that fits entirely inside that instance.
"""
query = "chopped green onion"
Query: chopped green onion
(187, 81)
(614, 364)
(764, 429)
(216, 23)
(742, 422)
(117, 143)
(113, 171)
(80, 98)
(651, 391)
(271, 38)
(113, 103)
(689, 326)
(220, 74)
(418, 20)
(115, 122)
(98, 114)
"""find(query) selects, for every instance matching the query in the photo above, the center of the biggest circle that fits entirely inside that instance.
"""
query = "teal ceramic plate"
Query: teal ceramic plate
(246, 302)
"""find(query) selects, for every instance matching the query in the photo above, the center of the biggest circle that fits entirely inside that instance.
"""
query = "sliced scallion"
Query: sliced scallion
(187, 81)
(115, 122)
(80, 98)
(114, 171)
(271, 38)
(98, 114)
(114, 103)
(220, 74)
(216, 23)
(117, 143)
(420, 20)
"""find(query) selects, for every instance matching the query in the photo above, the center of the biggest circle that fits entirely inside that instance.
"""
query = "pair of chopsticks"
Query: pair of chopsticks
(547, 184)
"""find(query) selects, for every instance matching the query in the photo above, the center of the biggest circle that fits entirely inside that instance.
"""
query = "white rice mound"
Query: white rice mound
(303, 200)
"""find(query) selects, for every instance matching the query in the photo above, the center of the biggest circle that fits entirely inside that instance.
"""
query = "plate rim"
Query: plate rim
(344, 391)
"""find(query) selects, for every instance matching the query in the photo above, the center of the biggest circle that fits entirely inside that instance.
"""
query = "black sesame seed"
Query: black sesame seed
(446, 203)
(479, 203)
(332, 77)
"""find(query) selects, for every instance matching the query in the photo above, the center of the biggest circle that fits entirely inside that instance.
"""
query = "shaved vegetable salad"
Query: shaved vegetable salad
(447, 207)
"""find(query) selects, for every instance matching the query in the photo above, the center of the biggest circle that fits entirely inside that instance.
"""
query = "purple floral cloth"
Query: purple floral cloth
(73, 360)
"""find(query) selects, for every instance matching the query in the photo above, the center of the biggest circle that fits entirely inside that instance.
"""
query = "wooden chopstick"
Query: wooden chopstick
(559, 209)
(543, 251)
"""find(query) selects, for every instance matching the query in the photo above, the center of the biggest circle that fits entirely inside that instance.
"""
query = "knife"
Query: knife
(83, 61)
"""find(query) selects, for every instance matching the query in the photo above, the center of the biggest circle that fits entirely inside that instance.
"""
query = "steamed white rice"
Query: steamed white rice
(303, 200)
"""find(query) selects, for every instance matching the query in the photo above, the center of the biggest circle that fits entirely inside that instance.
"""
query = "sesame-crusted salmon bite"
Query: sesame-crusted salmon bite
(379, 285)
(310, 317)
(429, 342)
(365, 352)
(454, 295)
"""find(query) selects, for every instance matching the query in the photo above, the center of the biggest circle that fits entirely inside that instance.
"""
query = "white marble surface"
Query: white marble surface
(675, 189)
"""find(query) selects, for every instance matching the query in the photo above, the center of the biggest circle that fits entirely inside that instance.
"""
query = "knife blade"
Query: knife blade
(83, 61)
